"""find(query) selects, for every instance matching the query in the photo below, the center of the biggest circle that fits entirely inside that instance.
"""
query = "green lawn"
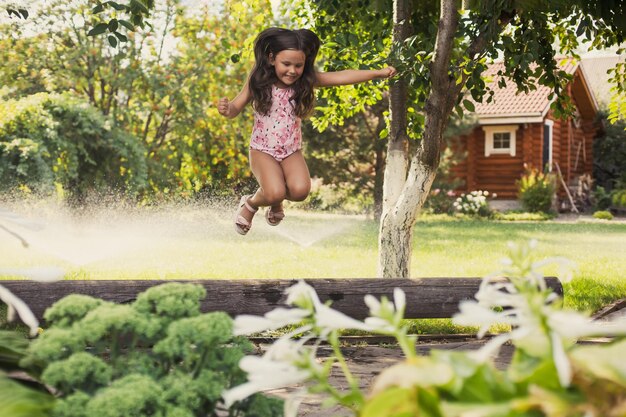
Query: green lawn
(192, 243)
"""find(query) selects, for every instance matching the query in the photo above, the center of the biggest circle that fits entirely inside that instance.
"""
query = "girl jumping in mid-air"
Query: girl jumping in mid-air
(281, 89)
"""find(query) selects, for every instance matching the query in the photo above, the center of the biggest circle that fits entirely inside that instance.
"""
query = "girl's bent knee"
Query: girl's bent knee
(274, 197)
(299, 193)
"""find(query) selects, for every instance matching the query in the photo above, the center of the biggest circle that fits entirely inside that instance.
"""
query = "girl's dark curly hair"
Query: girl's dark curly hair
(263, 76)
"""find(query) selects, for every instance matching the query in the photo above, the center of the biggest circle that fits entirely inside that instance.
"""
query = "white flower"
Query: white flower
(277, 368)
(571, 325)
(301, 295)
(247, 324)
(16, 305)
(385, 316)
(420, 372)
(399, 299)
(373, 304)
(329, 319)
(561, 362)
(474, 314)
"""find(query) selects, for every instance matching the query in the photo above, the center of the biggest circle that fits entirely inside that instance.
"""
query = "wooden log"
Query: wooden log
(426, 297)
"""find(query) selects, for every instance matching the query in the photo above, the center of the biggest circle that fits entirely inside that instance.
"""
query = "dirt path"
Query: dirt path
(366, 362)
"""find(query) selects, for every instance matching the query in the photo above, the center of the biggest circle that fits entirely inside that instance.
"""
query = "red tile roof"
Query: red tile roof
(507, 102)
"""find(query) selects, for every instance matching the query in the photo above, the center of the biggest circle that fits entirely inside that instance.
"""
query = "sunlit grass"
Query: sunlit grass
(196, 243)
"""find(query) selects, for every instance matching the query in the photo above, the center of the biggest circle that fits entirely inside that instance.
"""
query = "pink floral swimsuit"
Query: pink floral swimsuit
(277, 133)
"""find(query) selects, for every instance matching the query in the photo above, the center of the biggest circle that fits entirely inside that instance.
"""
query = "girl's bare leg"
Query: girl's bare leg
(288, 179)
(297, 177)
(269, 174)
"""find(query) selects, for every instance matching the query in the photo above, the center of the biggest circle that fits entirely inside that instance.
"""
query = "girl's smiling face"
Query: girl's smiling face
(289, 65)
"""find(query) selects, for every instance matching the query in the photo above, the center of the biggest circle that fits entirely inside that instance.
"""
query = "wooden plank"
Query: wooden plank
(426, 297)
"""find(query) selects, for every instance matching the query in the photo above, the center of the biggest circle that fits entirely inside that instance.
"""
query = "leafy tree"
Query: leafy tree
(160, 85)
(50, 142)
(350, 156)
(609, 157)
(441, 50)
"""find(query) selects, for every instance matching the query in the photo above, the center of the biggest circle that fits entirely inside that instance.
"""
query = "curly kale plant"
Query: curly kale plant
(158, 357)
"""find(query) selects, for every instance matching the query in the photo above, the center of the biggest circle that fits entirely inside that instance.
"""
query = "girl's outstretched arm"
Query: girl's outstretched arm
(328, 79)
(231, 109)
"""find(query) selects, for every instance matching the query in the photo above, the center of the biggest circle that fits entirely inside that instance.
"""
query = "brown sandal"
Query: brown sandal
(242, 226)
(274, 218)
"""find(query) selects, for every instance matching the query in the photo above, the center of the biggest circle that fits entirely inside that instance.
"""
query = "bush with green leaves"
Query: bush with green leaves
(514, 215)
(536, 190)
(54, 142)
(609, 155)
(158, 356)
(601, 198)
(618, 198)
(603, 215)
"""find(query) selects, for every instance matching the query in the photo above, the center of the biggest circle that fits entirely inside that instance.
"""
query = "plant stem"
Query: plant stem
(334, 342)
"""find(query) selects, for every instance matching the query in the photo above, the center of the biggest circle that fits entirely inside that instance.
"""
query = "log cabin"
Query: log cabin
(515, 130)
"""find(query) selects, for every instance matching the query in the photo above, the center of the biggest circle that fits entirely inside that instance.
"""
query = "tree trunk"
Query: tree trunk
(379, 178)
(405, 193)
(394, 250)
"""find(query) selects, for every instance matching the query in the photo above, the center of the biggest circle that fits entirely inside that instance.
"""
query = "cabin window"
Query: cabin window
(500, 139)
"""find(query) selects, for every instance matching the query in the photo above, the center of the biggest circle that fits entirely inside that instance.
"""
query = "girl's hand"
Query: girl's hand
(388, 72)
(223, 107)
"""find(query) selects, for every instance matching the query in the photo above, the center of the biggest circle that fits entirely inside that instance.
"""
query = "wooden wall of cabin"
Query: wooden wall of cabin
(496, 173)
(573, 148)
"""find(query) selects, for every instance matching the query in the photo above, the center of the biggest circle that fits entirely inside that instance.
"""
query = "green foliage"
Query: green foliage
(19, 397)
(344, 198)
(163, 96)
(601, 198)
(17, 400)
(136, 10)
(521, 33)
(536, 190)
(618, 198)
(54, 141)
(513, 216)
(158, 356)
(609, 156)
(81, 371)
(12, 349)
(603, 215)
(70, 309)
(346, 161)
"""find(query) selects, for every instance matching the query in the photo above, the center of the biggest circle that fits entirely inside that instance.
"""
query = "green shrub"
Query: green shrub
(536, 190)
(522, 216)
(440, 201)
(159, 356)
(601, 198)
(609, 155)
(53, 142)
(334, 198)
(603, 215)
(618, 198)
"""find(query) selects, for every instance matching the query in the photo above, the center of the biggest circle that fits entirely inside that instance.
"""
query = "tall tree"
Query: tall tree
(441, 49)
(160, 84)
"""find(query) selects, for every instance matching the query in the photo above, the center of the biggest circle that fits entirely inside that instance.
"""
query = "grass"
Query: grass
(200, 244)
